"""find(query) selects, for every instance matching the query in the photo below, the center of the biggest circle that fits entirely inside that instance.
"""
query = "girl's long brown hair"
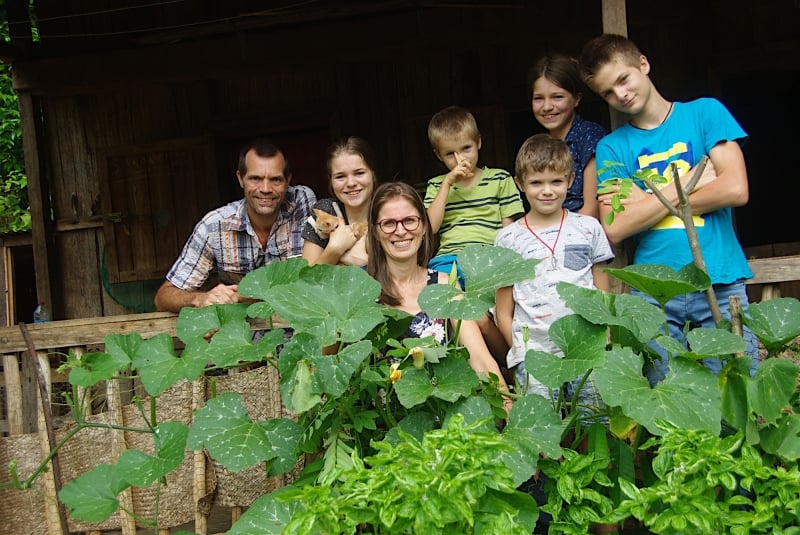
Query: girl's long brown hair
(377, 265)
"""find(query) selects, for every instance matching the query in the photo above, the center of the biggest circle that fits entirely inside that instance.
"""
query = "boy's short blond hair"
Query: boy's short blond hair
(543, 152)
(451, 122)
(604, 49)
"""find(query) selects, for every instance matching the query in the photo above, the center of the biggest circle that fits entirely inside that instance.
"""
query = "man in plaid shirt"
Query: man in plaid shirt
(229, 242)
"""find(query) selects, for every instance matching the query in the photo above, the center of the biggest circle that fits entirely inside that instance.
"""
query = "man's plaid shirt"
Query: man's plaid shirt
(224, 242)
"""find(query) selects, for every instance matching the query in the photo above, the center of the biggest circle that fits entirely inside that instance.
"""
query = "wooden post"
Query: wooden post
(615, 21)
(44, 252)
(118, 446)
(199, 483)
(51, 512)
(13, 394)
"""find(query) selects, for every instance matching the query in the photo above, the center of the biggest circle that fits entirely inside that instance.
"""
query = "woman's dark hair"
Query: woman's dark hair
(376, 264)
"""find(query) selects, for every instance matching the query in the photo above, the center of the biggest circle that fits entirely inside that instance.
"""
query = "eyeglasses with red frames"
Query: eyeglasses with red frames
(410, 223)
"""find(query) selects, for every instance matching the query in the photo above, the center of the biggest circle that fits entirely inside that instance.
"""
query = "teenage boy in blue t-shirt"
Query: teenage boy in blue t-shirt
(658, 133)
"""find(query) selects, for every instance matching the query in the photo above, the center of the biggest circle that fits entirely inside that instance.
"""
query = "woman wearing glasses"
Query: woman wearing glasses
(401, 243)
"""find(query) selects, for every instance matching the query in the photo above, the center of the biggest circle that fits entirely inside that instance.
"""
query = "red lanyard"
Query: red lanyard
(558, 235)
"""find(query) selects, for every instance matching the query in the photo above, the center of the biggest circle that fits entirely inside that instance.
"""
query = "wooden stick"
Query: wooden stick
(128, 523)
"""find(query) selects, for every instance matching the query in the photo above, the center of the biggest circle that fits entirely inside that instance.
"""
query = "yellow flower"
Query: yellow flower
(419, 357)
(396, 373)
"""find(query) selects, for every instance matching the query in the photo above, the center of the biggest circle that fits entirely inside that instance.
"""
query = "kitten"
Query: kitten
(327, 223)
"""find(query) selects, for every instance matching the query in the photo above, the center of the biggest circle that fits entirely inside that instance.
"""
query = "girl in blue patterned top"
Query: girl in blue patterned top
(556, 92)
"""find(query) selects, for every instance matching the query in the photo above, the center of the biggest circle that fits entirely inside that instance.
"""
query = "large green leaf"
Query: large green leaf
(267, 516)
(264, 282)
(661, 282)
(284, 435)
(453, 378)
(583, 344)
(141, 469)
(486, 268)
(638, 317)
(93, 496)
(472, 409)
(783, 438)
(734, 381)
(709, 343)
(775, 322)
(688, 397)
(772, 388)
(331, 302)
(533, 428)
(94, 367)
(445, 301)
(159, 367)
(297, 390)
(332, 373)
(233, 344)
(198, 322)
(224, 428)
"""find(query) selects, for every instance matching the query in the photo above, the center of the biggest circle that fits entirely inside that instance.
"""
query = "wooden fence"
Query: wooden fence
(26, 379)
(31, 431)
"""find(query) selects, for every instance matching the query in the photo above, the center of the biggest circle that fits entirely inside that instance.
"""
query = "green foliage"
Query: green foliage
(712, 484)
(14, 208)
(402, 433)
(622, 187)
(450, 482)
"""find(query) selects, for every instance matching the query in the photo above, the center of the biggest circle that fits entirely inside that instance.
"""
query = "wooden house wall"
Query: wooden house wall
(380, 76)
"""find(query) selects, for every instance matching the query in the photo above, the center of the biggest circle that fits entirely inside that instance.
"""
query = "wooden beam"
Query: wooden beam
(39, 198)
(615, 21)
(614, 17)
(87, 331)
(774, 270)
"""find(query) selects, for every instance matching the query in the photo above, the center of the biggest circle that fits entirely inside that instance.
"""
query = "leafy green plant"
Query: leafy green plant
(14, 208)
(712, 484)
(449, 482)
(377, 400)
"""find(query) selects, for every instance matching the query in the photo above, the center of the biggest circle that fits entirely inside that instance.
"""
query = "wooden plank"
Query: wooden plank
(774, 270)
(87, 331)
(13, 386)
(39, 197)
(614, 17)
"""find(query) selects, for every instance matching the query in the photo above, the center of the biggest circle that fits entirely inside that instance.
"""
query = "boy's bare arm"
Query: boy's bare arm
(504, 312)
(723, 185)
(438, 206)
(601, 279)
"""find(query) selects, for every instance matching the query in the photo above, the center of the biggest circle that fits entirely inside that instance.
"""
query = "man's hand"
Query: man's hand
(221, 294)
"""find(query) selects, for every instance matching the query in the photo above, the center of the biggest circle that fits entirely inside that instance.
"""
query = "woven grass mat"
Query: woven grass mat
(92, 446)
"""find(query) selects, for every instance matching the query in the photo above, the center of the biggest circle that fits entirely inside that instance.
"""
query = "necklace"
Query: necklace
(553, 263)
(664, 120)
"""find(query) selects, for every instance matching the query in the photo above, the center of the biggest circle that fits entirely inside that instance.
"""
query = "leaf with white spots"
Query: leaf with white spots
(661, 282)
(159, 367)
(224, 428)
(330, 302)
(688, 397)
(775, 322)
(268, 515)
(142, 469)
